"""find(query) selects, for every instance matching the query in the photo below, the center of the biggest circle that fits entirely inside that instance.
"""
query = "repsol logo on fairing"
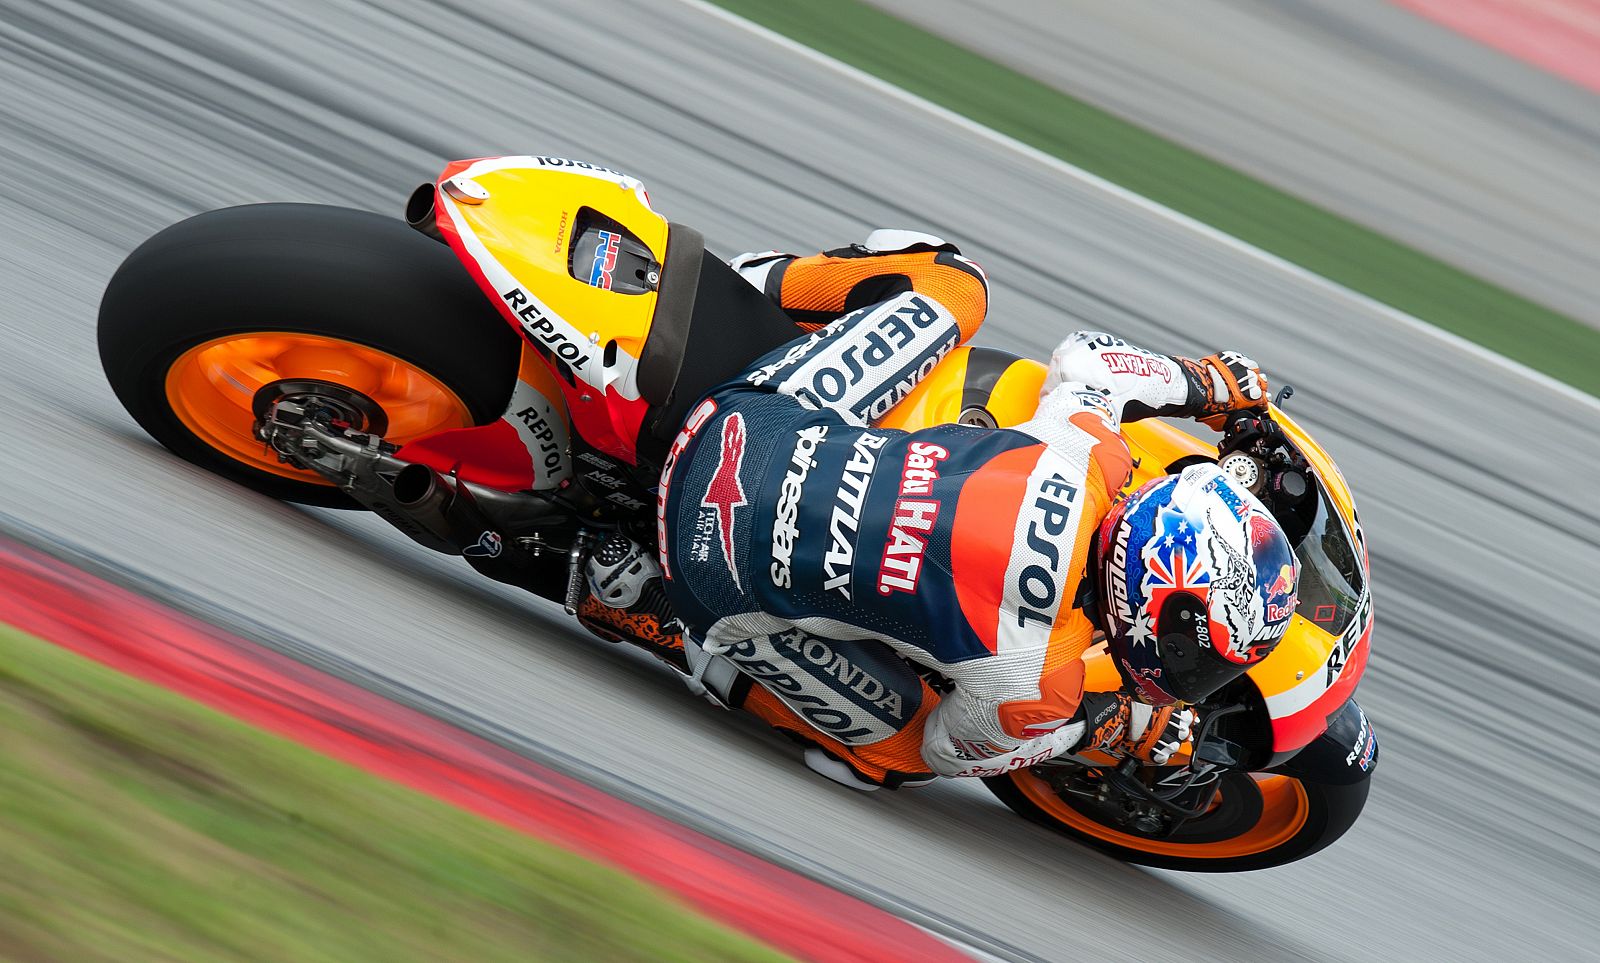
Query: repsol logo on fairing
(845, 522)
(1038, 583)
(580, 165)
(785, 530)
(543, 329)
(545, 436)
(1346, 644)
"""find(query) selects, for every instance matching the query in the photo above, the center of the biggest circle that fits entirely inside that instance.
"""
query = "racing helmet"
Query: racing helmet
(1196, 584)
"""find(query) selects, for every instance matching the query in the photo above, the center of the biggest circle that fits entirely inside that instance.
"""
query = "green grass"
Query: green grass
(137, 825)
(1323, 242)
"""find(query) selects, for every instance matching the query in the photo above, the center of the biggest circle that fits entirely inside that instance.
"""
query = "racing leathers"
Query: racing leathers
(816, 554)
(812, 291)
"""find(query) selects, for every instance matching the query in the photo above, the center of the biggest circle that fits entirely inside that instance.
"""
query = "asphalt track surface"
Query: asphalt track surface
(1359, 106)
(1480, 840)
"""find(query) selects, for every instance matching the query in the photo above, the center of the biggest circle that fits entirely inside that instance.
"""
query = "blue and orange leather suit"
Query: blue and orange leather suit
(819, 554)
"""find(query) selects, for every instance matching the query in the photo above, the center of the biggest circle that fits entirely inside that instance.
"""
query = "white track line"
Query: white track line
(1516, 368)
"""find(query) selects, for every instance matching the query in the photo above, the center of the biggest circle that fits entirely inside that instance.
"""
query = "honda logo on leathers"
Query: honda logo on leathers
(831, 692)
(820, 654)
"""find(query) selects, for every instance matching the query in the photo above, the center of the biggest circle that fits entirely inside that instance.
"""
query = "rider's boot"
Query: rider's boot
(626, 600)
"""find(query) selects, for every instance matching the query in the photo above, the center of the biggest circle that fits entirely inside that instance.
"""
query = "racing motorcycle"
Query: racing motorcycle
(344, 359)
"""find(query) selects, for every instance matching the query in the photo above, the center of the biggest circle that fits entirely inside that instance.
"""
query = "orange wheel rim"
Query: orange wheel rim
(1284, 811)
(212, 389)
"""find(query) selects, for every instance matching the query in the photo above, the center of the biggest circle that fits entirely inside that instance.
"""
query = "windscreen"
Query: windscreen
(1330, 570)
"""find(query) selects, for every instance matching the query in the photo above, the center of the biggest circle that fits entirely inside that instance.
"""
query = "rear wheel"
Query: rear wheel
(210, 321)
(1256, 820)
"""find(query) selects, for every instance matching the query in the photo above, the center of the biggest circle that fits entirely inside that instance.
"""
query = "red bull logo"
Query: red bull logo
(1280, 595)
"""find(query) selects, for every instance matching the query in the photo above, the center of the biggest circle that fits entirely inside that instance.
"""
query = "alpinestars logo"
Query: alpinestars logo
(785, 521)
(726, 491)
(913, 521)
(846, 519)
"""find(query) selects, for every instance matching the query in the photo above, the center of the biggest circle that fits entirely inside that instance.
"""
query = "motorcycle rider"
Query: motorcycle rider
(762, 565)
(812, 555)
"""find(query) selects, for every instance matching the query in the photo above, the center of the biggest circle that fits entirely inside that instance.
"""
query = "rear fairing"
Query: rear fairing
(513, 237)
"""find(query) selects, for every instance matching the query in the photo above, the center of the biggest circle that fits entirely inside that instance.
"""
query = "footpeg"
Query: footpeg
(578, 571)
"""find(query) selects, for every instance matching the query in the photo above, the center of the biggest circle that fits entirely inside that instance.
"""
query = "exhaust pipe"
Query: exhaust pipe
(446, 514)
(449, 514)
(467, 518)
(421, 213)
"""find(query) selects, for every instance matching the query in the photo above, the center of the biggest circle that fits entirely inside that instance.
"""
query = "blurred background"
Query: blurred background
(1390, 205)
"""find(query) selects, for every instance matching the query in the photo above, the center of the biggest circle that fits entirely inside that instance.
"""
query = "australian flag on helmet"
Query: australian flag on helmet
(1198, 584)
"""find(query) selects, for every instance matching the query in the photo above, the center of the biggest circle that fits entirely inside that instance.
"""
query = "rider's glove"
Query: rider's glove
(1122, 726)
(1222, 383)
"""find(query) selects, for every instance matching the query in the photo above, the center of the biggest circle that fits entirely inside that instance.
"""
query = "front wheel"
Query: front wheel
(215, 318)
(1255, 821)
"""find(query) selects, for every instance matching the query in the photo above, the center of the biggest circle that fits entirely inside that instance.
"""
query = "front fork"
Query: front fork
(1154, 801)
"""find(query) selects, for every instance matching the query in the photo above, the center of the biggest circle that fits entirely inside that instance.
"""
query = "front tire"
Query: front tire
(209, 314)
(1260, 820)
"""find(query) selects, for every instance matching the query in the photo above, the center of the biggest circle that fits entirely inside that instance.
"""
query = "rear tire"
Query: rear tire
(325, 278)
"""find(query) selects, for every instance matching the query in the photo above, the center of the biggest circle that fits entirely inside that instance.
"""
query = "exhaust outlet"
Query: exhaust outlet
(416, 486)
(421, 212)
(449, 513)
